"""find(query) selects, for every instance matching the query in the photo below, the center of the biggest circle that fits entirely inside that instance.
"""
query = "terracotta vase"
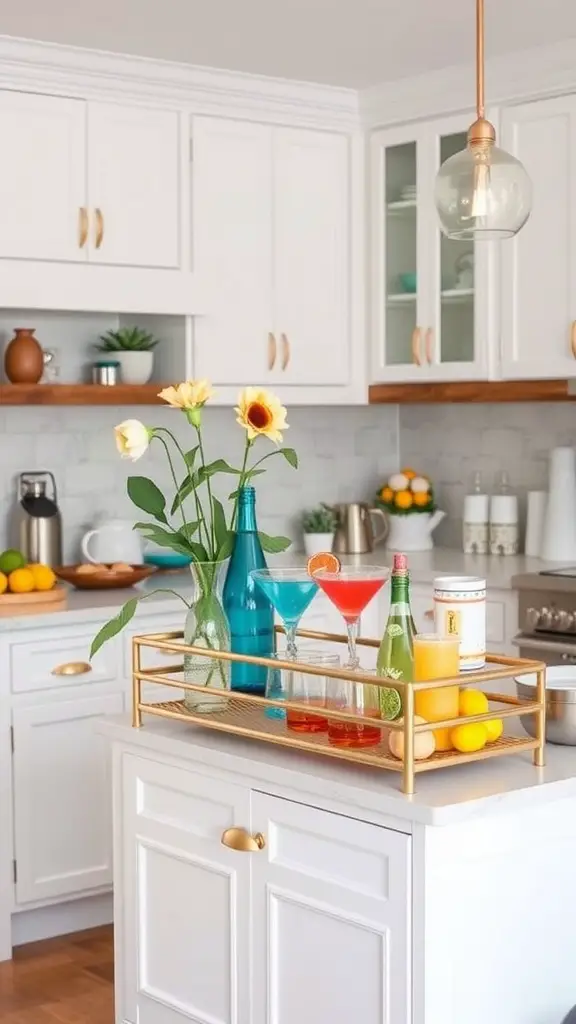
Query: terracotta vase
(24, 359)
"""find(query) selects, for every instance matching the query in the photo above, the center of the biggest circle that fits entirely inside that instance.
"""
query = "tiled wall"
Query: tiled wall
(344, 454)
(451, 442)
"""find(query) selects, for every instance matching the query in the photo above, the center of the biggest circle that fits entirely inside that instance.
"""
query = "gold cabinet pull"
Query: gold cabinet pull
(72, 668)
(271, 351)
(429, 614)
(82, 226)
(416, 346)
(428, 339)
(285, 351)
(573, 338)
(241, 840)
(99, 227)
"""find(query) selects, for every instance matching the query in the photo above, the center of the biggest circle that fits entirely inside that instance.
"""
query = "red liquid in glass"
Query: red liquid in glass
(299, 721)
(350, 734)
(350, 596)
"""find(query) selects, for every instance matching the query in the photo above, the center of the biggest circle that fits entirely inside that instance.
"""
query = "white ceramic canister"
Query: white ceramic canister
(460, 610)
(475, 526)
(504, 524)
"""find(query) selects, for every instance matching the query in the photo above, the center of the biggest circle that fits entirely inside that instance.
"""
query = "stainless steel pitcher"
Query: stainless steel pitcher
(39, 525)
(355, 533)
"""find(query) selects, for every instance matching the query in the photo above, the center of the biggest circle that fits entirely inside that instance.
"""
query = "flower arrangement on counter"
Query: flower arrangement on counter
(406, 493)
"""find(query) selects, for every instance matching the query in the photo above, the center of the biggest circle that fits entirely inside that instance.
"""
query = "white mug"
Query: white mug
(113, 541)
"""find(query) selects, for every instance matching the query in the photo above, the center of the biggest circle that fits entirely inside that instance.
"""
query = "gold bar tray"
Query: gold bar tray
(245, 714)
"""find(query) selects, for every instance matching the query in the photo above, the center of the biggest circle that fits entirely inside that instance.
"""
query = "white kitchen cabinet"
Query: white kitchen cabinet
(271, 244)
(539, 264)
(428, 327)
(330, 913)
(42, 176)
(62, 814)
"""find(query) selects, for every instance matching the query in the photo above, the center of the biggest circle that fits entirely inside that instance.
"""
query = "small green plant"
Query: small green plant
(319, 520)
(127, 339)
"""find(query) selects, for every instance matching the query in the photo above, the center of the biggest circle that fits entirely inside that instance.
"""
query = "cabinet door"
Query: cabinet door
(539, 264)
(330, 913)
(399, 254)
(62, 805)
(134, 181)
(312, 257)
(42, 177)
(181, 898)
(234, 342)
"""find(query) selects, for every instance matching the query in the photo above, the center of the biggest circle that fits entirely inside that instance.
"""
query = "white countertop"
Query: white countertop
(448, 795)
(92, 605)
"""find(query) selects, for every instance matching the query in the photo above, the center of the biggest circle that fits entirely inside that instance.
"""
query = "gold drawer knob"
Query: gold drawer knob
(429, 614)
(241, 840)
(72, 668)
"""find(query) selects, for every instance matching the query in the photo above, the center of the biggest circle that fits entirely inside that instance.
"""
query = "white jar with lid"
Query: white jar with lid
(460, 610)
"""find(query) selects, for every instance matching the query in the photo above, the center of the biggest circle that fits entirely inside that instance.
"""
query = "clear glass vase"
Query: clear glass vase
(207, 627)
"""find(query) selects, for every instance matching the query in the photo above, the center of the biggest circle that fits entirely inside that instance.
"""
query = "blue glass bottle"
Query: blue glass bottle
(250, 613)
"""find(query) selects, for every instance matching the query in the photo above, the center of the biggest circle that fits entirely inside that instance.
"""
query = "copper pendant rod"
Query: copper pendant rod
(480, 58)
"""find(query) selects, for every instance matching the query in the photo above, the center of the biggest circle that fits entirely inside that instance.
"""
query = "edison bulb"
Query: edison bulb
(482, 193)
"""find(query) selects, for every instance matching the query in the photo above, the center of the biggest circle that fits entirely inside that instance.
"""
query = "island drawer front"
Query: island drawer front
(59, 658)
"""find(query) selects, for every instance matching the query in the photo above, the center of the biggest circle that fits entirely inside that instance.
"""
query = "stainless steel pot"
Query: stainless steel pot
(560, 704)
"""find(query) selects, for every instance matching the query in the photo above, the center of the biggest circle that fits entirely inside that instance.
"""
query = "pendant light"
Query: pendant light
(482, 193)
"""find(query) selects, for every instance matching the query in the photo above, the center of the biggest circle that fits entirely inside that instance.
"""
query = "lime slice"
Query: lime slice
(390, 703)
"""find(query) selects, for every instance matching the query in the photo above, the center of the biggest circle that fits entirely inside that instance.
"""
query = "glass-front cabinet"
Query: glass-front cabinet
(433, 315)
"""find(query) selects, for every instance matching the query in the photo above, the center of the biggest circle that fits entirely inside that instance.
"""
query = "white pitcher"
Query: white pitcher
(412, 532)
(113, 540)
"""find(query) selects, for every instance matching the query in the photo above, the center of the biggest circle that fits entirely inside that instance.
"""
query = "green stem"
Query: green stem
(171, 464)
(165, 590)
(212, 548)
(199, 510)
(240, 483)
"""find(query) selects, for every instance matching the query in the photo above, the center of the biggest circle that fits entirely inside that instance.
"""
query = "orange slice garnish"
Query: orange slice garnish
(323, 561)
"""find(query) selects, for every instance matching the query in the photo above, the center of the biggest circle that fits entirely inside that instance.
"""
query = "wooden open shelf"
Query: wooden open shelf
(79, 394)
(472, 391)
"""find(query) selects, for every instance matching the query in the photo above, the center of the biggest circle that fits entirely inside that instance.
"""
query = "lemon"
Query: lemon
(472, 702)
(21, 581)
(10, 560)
(3, 582)
(494, 728)
(469, 738)
(44, 578)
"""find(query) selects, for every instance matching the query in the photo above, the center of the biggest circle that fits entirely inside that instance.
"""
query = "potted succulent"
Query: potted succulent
(319, 526)
(133, 348)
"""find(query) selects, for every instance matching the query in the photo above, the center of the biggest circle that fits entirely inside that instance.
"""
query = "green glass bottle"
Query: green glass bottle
(396, 655)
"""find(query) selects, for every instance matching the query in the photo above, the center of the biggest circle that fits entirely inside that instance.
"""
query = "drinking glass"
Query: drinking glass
(290, 591)
(309, 691)
(350, 590)
(437, 657)
(358, 699)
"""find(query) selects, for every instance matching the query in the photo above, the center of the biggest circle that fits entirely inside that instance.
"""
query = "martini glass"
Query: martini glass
(350, 590)
(290, 591)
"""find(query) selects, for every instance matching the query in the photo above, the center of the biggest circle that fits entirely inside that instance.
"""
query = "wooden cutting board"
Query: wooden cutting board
(38, 602)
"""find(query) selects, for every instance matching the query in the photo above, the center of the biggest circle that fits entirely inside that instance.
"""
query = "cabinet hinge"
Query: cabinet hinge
(191, 150)
(15, 871)
(12, 738)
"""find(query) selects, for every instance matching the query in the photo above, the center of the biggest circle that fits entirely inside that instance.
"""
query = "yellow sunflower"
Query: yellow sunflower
(188, 395)
(260, 412)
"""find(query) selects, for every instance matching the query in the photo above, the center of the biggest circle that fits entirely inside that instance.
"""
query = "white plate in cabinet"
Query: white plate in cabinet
(62, 812)
(183, 911)
(330, 912)
(47, 663)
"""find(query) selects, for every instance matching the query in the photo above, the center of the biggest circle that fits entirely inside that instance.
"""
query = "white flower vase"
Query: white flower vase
(135, 367)
(316, 542)
(412, 532)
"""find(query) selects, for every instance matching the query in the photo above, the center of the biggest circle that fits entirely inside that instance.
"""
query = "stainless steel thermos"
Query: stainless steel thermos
(39, 525)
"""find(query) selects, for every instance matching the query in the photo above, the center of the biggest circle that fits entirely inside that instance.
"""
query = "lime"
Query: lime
(390, 703)
(10, 560)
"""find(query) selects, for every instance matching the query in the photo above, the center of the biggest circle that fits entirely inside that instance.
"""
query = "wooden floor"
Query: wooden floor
(60, 981)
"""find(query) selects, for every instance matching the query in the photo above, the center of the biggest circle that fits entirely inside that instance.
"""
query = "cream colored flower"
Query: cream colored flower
(188, 395)
(132, 439)
(260, 412)
(398, 482)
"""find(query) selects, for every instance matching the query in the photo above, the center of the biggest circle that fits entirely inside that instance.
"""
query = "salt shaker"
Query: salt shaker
(503, 519)
(476, 518)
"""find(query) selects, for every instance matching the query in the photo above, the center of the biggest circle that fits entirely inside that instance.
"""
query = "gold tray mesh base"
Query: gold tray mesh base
(245, 718)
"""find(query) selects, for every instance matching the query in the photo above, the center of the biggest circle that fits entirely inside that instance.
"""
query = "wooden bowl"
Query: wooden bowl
(103, 580)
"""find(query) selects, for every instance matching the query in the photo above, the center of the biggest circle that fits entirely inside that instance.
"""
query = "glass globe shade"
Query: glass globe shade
(482, 193)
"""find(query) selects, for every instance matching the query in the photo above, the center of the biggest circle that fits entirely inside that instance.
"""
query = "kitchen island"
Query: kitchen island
(335, 898)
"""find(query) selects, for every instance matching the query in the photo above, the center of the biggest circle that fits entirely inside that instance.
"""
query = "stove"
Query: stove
(547, 615)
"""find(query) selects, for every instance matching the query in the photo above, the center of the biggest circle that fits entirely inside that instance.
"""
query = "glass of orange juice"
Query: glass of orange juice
(437, 657)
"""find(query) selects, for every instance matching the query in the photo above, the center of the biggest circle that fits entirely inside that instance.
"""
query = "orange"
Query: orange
(387, 494)
(3, 582)
(21, 581)
(410, 473)
(44, 578)
(403, 499)
(323, 561)
(421, 498)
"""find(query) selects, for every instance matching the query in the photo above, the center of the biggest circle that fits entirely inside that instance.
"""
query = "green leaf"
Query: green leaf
(190, 529)
(273, 545)
(290, 456)
(174, 541)
(147, 496)
(219, 522)
(199, 551)
(191, 456)
(219, 466)
(225, 549)
(184, 491)
(114, 626)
